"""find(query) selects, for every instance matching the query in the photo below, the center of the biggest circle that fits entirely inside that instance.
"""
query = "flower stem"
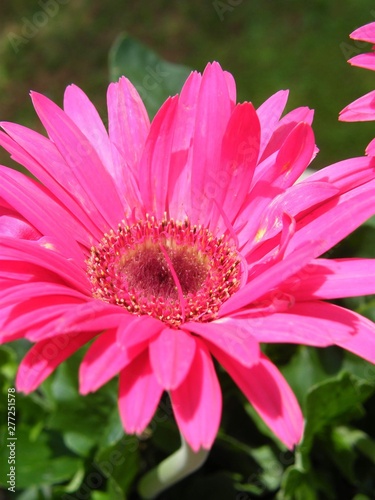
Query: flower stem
(177, 466)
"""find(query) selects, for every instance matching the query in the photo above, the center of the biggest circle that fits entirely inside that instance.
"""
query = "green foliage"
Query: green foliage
(154, 78)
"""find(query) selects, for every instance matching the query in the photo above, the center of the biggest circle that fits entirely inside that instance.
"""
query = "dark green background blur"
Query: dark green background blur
(268, 45)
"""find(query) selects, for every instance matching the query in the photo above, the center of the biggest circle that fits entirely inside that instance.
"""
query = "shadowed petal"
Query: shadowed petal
(285, 126)
(271, 277)
(271, 396)
(197, 402)
(214, 108)
(239, 155)
(139, 394)
(155, 162)
(333, 279)
(334, 220)
(313, 323)
(269, 114)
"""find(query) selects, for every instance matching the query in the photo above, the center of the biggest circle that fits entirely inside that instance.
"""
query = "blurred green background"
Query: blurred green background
(65, 442)
(268, 46)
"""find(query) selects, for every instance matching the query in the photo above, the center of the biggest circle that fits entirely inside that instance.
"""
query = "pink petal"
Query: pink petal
(285, 167)
(40, 156)
(295, 154)
(296, 199)
(128, 127)
(179, 189)
(84, 114)
(143, 328)
(81, 158)
(285, 126)
(45, 356)
(25, 291)
(37, 319)
(16, 226)
(231, 84)
(231, 338)
(366, 61)
(197, 402)
(171, 356)
(155, 162)
(214, 108)
(362, 109)
(239, 154)
(42, 253)
(24, 272)
(311, 323)
(365, 33)
(37, 207)
(370, 150)
(333, 279)
(271, 396)
(334, 220)
(363, 342)
(346, 174)
(139, 394)
(93, 315)
(270, 278)
(269, 114)
(107, 356)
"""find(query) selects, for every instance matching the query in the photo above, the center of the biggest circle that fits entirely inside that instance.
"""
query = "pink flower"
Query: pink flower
(167, 244)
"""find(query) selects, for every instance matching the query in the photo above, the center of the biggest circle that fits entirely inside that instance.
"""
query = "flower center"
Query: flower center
(169, 270)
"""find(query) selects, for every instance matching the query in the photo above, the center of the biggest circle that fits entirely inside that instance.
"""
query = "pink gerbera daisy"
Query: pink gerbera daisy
(167, 244)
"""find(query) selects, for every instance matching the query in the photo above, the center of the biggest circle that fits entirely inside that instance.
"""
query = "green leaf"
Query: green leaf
(297, 485)
(307, 361)
(83, 422)
(341, 448)
(8, 366)
(331, 402)
(35, 464)
(154, 78)
(113, 431)
(99, 495)
(120, 464)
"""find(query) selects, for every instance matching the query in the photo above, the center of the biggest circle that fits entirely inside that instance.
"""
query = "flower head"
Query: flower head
(170, 243)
